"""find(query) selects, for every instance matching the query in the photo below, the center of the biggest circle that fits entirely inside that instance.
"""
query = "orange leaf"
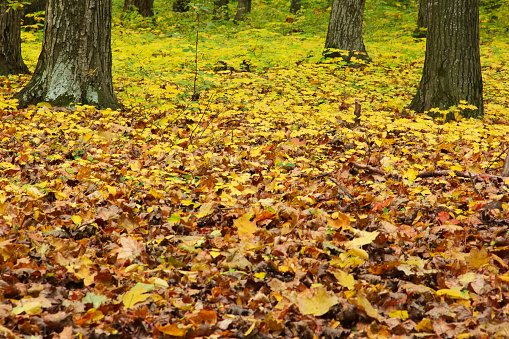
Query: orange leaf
(209, 317)
(172, 330)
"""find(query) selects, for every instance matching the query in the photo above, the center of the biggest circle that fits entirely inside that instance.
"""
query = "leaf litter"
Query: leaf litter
(263, 210)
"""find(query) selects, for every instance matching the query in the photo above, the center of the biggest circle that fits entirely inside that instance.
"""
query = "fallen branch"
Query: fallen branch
(461, 174)
(343, 189)
(376, 170)
(432, 174)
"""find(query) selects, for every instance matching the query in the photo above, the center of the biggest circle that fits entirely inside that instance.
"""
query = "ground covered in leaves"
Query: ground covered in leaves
(266, 209)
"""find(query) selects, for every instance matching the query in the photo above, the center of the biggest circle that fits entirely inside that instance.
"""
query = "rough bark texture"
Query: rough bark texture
(75, 62)
(345, 31)
(11, 61)
(220, 10)
(145, 7)
(452, 67)
(295, 6)
(243, 8)
(34, 7)
(422, 18)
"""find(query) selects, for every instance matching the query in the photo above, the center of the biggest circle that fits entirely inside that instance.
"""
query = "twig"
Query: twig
(376, 170)
(195, 95)
(343, 189)
(505, 168)
(473, 184)
(498, 157)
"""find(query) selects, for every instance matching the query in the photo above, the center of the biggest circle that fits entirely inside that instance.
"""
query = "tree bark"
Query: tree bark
(220, 10)
(145, 7)
(345, 31)
(75, 62)
(295, 6)
(452, 66)
(243, 8)
(11, 61)
(35, 6)
(181, 6)
(422, 19)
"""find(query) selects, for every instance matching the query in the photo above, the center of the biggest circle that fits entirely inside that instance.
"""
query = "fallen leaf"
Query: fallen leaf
(137, 294)
(316, 300)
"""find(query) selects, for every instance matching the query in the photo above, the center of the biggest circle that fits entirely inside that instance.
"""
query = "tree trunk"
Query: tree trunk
(344, 36)
(11, 61)
(75, 62)
(181, 6)
(295, 6)
(422, 19)
(220, 10)
(243, 8)
(145, 7)
(452, 67)
(35, 6)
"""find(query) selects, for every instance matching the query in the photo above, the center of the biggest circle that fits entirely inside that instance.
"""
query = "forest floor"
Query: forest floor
(264, 209)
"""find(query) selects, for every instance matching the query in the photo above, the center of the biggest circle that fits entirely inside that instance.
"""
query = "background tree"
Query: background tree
(181, 6)
(11, 61)
(75, 62)
(422, 19)
(452, 67)
(33, 10)
(345, 30)
(145, 7)
(243, 8)
(295, 6)
(220, 10)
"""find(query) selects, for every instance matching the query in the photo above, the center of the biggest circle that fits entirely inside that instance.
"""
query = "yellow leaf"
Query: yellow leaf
(136, 166)
(76, 219)
(137, 294)
(315, 301)
(363, 240)
(398, 314)
(260, 275)
(205, 210)
(245, 227)
(365, 305)
(424, 325)
(467, 278)
(345, 279)
(340, 220)
(111, 190)
(158, 282)
(359, 253)
(172, 330)
(34, 192)
(477, 258)
(453, 294)
(33, 308)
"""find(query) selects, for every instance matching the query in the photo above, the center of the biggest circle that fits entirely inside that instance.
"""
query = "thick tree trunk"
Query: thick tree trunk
(75, 62)
(243, 8)
(35, 6)
(220, 10)
(11, 61)
(145, 7)
(295, 6)
(422, 18)
(345, 31)
(452, 67)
